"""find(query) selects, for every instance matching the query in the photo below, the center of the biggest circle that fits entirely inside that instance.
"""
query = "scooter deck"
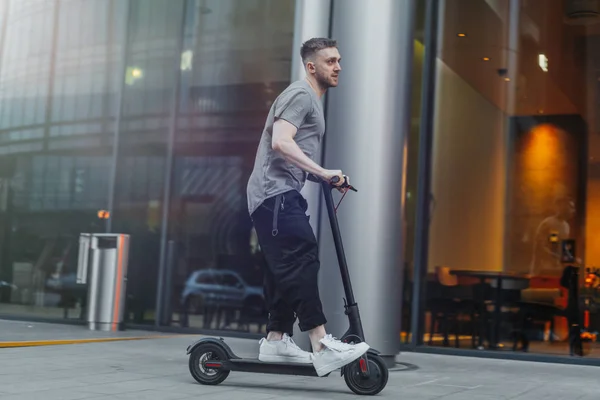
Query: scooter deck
(257, 366)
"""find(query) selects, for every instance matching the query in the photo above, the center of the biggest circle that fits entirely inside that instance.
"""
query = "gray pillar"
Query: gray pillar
(368, 120)
(311, 20)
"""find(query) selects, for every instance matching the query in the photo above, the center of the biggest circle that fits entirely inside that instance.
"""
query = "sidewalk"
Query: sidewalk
(19, 333)
(158, 369)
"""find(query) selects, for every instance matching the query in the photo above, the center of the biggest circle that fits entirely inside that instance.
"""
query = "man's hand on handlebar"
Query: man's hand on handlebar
(336, 178)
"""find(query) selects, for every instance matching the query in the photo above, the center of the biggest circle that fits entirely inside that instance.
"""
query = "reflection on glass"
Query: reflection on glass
(62, 80)
(57, 78)
(235, 58)
(412, 170)
(153, 38)
(514, 175)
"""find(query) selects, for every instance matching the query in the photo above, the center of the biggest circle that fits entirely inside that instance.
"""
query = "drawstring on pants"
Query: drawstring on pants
(279, 201)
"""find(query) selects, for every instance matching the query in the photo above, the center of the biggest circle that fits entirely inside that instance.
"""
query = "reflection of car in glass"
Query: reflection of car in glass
(64, 282)
(6, 289)
(7, 284)
(70, 292)
(221, 288)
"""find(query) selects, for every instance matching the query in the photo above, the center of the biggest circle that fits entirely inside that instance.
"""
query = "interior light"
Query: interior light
(133, 74)
(543, 62)
(507, 79)
(461, 35)
(186, 60)
(486, 59)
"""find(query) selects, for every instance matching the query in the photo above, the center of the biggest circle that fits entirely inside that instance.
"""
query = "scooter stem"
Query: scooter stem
(355, 330)
(337, 239)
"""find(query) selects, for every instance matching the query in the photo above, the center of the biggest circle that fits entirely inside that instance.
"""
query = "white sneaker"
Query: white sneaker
(336, 354)
(284, 350)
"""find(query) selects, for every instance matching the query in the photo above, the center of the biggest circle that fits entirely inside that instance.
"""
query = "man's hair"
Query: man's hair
(312, 46)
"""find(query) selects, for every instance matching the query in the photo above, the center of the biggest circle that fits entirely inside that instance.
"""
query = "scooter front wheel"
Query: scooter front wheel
(200, 356)
(375, 383)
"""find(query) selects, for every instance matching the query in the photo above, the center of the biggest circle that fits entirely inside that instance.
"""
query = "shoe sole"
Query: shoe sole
(326, 369)
(282, 359)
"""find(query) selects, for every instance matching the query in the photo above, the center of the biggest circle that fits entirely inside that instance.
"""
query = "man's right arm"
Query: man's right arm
(284, 143)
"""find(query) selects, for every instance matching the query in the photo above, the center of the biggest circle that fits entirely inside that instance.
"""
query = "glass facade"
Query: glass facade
(152, 110)
(58, 82)
(514, 175)
(236, 59)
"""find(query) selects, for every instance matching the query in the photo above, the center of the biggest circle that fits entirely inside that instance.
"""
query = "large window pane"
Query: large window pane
(25, 62)
(514, 175)
(54, 161)
(236, 59)
(154, 32)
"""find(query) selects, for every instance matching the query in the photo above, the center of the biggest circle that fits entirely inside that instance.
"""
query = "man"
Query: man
(548, 236)
(290, 140)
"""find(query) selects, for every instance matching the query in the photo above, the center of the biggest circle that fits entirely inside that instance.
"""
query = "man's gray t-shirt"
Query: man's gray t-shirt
(299, 105)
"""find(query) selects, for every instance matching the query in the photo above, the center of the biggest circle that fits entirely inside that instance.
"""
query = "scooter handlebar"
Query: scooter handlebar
(332, 182)
(336, 179)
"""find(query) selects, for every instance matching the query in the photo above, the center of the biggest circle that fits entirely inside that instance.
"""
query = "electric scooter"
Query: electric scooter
(211, 359)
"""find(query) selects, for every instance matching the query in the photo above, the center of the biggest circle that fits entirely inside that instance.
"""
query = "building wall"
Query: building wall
(468, 177)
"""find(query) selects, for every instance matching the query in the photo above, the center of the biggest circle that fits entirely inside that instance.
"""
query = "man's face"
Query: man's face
(326, 67)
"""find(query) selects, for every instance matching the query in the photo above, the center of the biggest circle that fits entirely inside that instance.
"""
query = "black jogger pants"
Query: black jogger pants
(291, 251)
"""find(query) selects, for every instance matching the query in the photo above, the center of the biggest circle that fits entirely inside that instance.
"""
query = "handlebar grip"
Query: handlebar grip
(336, 179)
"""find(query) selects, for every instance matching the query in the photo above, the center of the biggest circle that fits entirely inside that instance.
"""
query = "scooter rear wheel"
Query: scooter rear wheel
(375, 383)
(203, 353)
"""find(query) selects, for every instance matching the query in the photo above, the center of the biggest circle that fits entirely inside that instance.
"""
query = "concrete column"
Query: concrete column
(368, 120)
(312, 19)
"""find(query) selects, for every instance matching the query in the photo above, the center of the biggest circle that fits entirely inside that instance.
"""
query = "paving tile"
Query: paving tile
(158, 369)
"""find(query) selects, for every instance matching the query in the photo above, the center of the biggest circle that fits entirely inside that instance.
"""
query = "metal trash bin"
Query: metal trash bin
(102, 265)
